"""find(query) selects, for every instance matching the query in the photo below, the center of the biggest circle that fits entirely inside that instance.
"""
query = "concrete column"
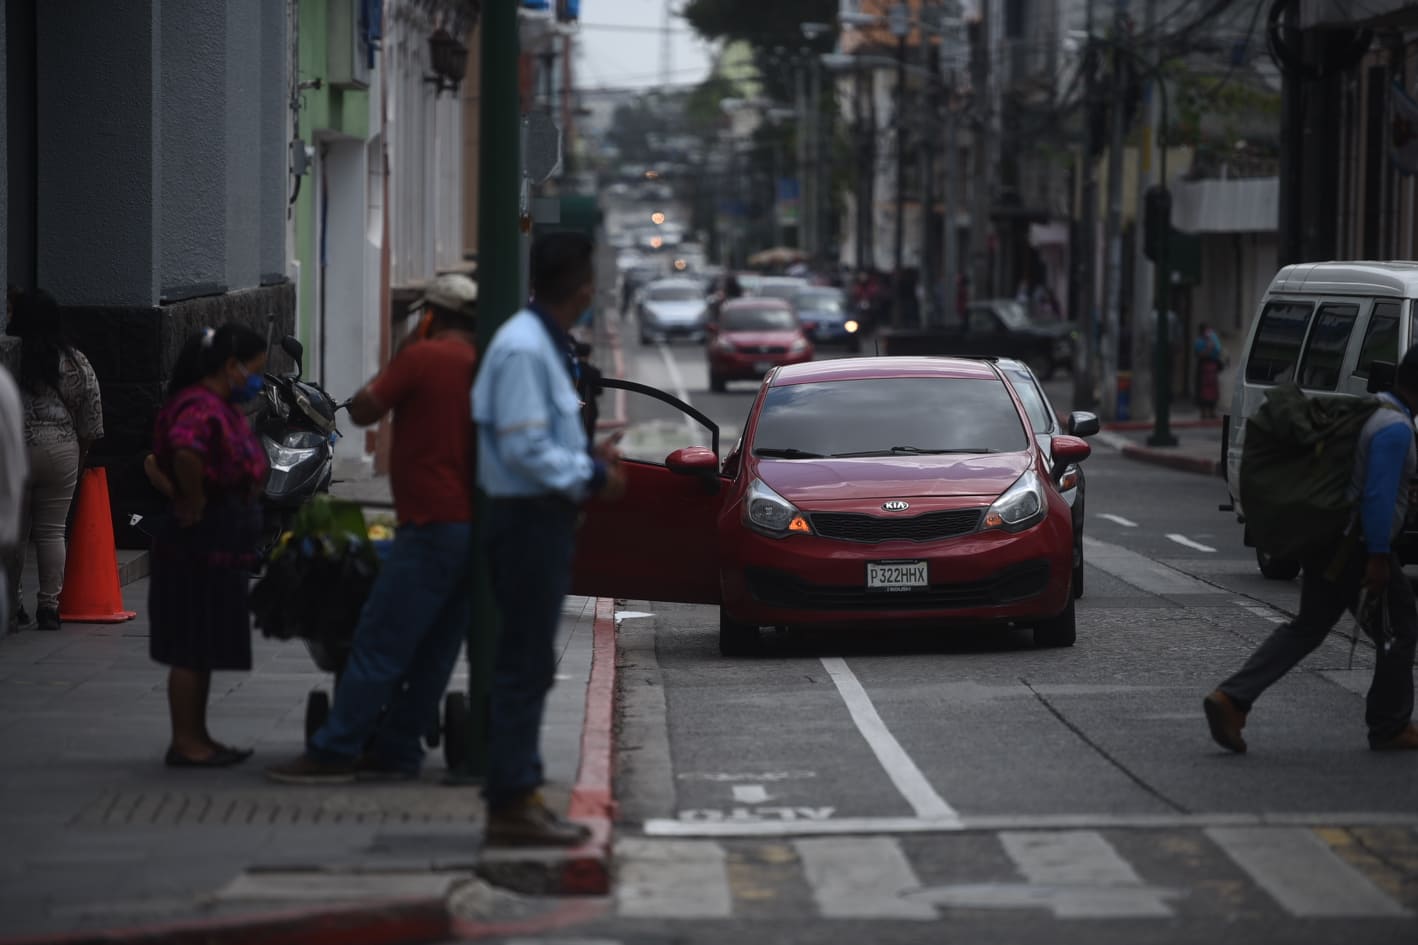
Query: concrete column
(97, 174)
(243, 144)
(194, 157)
(274, 147)
(4, 155)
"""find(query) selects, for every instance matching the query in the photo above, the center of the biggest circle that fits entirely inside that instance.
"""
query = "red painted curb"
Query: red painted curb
(407, 922)
(587, 869)
(1182, 461)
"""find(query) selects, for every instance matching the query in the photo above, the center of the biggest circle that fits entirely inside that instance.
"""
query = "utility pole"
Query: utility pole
(984, 169)
(901, 27)
(499, 297)
(1113, 275)
(802, 135)
(1140, 389)
(816, 178)
(1084, 373)
(950, 251)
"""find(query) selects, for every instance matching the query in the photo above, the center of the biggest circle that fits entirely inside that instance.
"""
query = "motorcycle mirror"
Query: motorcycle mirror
(292, 347)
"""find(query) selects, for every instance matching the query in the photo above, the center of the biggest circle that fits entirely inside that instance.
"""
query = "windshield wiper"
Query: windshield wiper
(786, 453)
(913, 451)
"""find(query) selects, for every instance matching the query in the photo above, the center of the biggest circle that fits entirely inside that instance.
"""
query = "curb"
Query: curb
(1182, 461)
(1123, 426)
(135, 568)
(403, 922)
(585, 870)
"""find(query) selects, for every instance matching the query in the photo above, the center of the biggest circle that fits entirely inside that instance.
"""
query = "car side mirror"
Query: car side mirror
(1381, 376)
(1082, 423)
(698, 461)
(1067, 450)
(295, 350)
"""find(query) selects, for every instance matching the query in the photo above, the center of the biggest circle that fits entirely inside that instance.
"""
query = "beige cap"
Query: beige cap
(453, 293)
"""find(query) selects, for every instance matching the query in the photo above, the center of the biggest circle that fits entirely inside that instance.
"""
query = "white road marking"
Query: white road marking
(672, 879)
(739, 776)
(903, 772)
(1186, 542)
(1124, 522)
(749, 794)
(1302, 874)
(805, 827)
(861, 878)
(630, 615)
(1095, 881)
(1140, 571)
(677, 383)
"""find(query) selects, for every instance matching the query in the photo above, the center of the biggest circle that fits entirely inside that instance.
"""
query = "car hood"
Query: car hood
(777, 337)
(805, 482)
(675, 311)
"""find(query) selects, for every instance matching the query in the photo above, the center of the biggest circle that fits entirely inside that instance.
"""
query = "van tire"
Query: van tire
(1277, 569)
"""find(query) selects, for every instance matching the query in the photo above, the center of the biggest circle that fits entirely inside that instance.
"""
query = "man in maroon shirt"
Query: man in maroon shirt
(412, 626)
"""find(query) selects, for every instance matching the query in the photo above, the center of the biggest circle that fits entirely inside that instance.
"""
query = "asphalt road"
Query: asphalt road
(963, 786)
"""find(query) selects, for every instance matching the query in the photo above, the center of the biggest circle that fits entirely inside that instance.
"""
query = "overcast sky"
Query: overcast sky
(631, 57)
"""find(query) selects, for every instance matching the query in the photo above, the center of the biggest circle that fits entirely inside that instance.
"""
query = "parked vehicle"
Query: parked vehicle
(824, 315)
(1336, 329)
(995, 328)
(864, 492)
(672, 308)
(295, 420)
(1045, 421)
(751, 337)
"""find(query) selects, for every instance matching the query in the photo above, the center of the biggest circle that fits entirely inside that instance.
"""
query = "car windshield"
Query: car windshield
(824, 303)
(1034, 404)
(673, 293)
(758, 319)
(889, 416)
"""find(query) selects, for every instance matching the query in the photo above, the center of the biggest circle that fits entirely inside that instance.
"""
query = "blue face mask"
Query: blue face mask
(586, 317)
(249, 388)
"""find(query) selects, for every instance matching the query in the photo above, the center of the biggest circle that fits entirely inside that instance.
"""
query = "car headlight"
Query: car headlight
(1022, 505)
(851, 325)
(798, 346)
(768, 513)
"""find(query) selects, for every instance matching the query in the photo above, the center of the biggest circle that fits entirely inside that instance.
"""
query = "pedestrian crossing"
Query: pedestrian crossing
(1241, 872)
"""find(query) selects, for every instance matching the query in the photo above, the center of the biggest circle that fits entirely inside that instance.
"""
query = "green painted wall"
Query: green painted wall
(324, 110)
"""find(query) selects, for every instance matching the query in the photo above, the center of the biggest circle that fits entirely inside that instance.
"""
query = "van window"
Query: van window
(1381, 340)
(1324, 351)
(1276, 348)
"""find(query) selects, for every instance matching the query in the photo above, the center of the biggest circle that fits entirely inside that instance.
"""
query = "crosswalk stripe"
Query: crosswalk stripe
(861, 878)
(1089, 877)
(1301, 873)
(672, 879)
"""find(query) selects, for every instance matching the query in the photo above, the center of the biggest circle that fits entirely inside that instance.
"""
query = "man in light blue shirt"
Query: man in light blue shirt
(534, 465)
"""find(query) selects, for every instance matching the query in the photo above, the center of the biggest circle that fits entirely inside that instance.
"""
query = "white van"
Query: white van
(1323, 325)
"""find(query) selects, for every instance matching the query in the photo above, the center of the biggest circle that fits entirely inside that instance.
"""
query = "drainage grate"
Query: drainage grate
(364, 805)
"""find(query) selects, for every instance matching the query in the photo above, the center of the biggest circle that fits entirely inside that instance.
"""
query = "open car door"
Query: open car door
(660, 541)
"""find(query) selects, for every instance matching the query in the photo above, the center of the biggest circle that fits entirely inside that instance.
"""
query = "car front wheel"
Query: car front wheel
(1057, 631)
(736, 639)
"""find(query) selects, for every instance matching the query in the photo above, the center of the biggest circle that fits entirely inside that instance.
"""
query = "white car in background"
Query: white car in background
(673, 308)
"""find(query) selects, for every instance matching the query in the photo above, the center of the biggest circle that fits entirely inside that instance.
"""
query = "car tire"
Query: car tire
(1057, 631)
(717, 384)
(1078, 573)
(736, 639)
(1277, 569)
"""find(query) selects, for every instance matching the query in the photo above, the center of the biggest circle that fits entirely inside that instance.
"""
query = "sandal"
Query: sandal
(243, 752)
(221, 758)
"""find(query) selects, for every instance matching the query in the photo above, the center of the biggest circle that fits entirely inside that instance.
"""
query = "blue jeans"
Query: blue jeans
(529, 545)
(404, 650)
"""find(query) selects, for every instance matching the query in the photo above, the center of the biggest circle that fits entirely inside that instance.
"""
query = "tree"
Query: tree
(761, 24)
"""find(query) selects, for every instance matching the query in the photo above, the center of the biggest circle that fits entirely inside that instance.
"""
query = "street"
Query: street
(1024, 795)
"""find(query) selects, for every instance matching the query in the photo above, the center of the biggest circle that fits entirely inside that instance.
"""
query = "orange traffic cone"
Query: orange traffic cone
(91, 591)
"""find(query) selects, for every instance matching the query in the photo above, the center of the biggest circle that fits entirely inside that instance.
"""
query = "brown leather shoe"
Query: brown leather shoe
(1226, 721)
(530, 823)
(1406, 740)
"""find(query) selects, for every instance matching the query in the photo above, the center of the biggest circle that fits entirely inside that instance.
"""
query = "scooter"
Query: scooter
(295, 420)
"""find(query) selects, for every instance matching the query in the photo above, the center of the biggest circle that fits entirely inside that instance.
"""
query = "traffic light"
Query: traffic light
(1156, 220)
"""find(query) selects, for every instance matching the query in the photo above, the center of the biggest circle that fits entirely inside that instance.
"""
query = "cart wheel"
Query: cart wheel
(317, 710)
(457, 719)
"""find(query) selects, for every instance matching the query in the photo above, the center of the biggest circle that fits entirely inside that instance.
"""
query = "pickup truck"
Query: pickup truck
(998, 328)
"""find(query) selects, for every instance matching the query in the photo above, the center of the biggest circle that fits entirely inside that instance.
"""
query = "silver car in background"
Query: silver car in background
(672, 308)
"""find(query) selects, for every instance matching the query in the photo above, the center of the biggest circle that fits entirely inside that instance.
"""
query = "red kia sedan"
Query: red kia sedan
(753, 336)
(864, 492)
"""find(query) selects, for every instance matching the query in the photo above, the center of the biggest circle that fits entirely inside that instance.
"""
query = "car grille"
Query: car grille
(784, 590)
(762, 349)
(852, 526)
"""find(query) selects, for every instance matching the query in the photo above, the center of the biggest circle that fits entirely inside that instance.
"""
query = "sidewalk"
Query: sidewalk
(1198, 446)
(99, 835)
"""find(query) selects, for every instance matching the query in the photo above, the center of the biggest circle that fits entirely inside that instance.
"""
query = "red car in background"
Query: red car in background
(864, 492)
(752, 336)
